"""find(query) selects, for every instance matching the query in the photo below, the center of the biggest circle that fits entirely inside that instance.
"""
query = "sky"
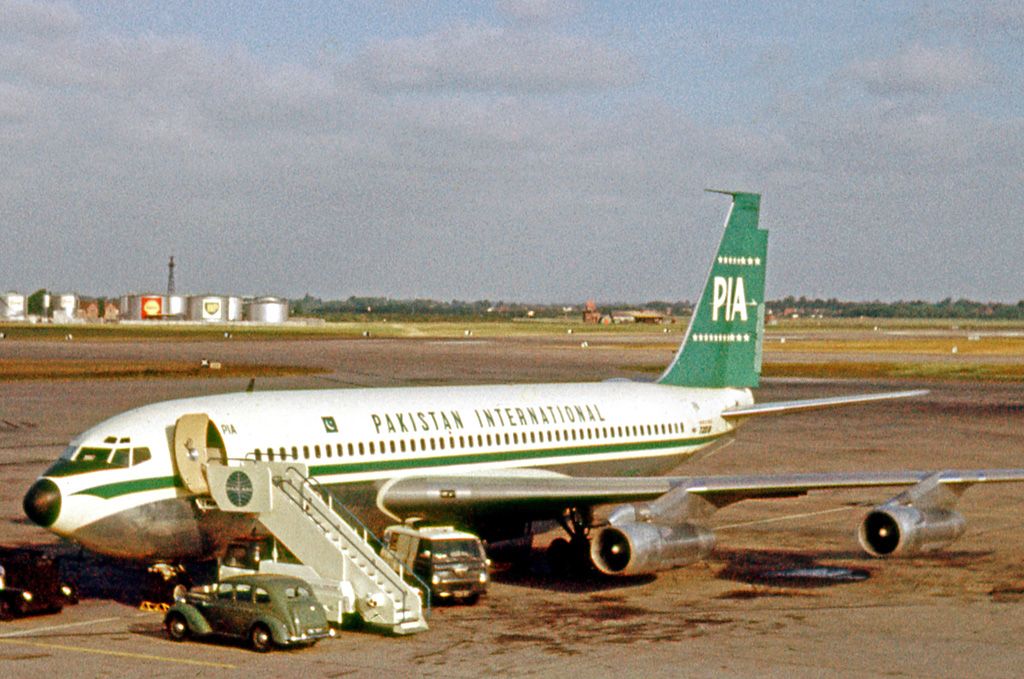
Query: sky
(529, 150)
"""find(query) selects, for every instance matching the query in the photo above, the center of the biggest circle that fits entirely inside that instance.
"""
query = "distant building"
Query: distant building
(637, 316)
(590, 312)
(12, 306)
(111, 312)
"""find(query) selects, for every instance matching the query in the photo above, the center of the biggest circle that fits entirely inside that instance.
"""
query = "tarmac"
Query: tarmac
(787, 592)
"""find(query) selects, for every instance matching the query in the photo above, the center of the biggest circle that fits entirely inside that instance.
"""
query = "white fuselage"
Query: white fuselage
(360, 438)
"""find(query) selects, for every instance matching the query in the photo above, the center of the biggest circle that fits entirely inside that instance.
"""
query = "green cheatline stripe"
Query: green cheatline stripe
(136, 486)
(111, 490)
(513, 456)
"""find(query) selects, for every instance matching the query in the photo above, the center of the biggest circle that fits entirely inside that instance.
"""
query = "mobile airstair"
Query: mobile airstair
(336, 556)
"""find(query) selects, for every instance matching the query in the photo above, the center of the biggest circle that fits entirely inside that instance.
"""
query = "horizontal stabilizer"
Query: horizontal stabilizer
(781, 407)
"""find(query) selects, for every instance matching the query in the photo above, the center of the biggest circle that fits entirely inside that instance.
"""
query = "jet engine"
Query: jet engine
(901, 529)
(635, 548)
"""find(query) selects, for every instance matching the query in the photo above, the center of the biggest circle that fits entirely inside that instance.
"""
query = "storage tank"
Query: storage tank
(236, 309)
(267, 310)
(210, 308)
(147, 306)
(177, 306)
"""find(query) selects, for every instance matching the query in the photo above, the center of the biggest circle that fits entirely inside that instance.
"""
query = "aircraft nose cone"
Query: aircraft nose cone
(42, 502)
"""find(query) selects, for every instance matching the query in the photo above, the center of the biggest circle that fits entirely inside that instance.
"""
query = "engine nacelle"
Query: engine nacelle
(636, 548)
(899, 529)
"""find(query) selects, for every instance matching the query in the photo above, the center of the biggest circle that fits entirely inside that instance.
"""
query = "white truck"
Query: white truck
(451, 562)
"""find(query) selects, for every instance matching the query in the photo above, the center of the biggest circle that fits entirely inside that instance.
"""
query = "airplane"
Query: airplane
(496, 459)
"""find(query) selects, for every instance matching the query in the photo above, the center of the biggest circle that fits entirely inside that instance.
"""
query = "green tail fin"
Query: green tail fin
(722, 347)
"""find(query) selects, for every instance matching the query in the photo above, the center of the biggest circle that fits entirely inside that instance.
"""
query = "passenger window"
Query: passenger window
(243, 592)
(262, 596)
(140, 455)
(225, 591)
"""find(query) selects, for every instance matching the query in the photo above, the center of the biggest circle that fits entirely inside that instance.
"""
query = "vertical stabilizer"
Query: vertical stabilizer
(722, 347)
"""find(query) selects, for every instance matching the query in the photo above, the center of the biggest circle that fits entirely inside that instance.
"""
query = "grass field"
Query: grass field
(825, 348)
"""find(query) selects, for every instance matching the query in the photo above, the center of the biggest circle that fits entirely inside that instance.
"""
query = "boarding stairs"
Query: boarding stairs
(350, 576)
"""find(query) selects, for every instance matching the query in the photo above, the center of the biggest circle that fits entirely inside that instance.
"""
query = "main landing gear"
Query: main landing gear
(571, 556)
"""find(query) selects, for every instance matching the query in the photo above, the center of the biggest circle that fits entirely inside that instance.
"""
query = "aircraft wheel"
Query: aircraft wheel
(559, 556)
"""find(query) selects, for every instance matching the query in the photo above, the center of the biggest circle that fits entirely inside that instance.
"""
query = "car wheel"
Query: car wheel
(177, 626)
(472, 599)
(259, 637)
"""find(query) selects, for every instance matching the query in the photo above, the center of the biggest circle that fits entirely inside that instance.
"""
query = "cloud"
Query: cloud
(538, 10)
(22, 20)
(479, 57)
(921, 70)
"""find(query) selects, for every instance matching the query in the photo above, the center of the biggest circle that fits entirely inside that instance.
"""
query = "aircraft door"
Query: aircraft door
(196, 442)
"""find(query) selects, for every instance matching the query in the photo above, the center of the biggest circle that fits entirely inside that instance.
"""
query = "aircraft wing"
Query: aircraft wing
(780, 407)
(515, 497)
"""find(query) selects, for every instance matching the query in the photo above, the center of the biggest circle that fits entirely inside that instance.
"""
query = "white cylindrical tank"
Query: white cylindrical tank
(210, 308)
(267, 310)
(177, 306)
(236, 309)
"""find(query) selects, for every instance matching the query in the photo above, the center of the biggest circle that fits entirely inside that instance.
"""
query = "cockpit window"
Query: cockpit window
(122, 457)
(92, 455)
(93, 458)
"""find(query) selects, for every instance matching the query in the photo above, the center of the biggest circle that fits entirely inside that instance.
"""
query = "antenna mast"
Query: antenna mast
(170, 277)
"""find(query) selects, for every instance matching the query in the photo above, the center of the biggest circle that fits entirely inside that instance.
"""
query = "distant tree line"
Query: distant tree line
(363, 308)
(368, 308)
(947, 308)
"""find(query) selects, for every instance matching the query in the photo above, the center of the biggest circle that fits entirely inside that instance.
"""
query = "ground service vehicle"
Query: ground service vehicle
(30, 583)
(451, 562)
(266, 610)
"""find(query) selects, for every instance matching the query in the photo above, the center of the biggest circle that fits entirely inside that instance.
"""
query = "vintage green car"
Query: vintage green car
(266, 610)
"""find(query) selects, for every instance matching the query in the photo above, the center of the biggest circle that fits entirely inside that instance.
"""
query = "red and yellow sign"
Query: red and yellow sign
(152, 307)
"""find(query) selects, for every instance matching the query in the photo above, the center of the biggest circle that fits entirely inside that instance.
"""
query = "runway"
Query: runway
(954, 613)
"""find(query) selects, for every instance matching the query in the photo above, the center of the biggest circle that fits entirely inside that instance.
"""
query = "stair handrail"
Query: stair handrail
(341, 512)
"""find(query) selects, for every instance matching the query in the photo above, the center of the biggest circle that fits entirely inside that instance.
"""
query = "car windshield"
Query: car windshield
(455, 550)
(297, 592)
